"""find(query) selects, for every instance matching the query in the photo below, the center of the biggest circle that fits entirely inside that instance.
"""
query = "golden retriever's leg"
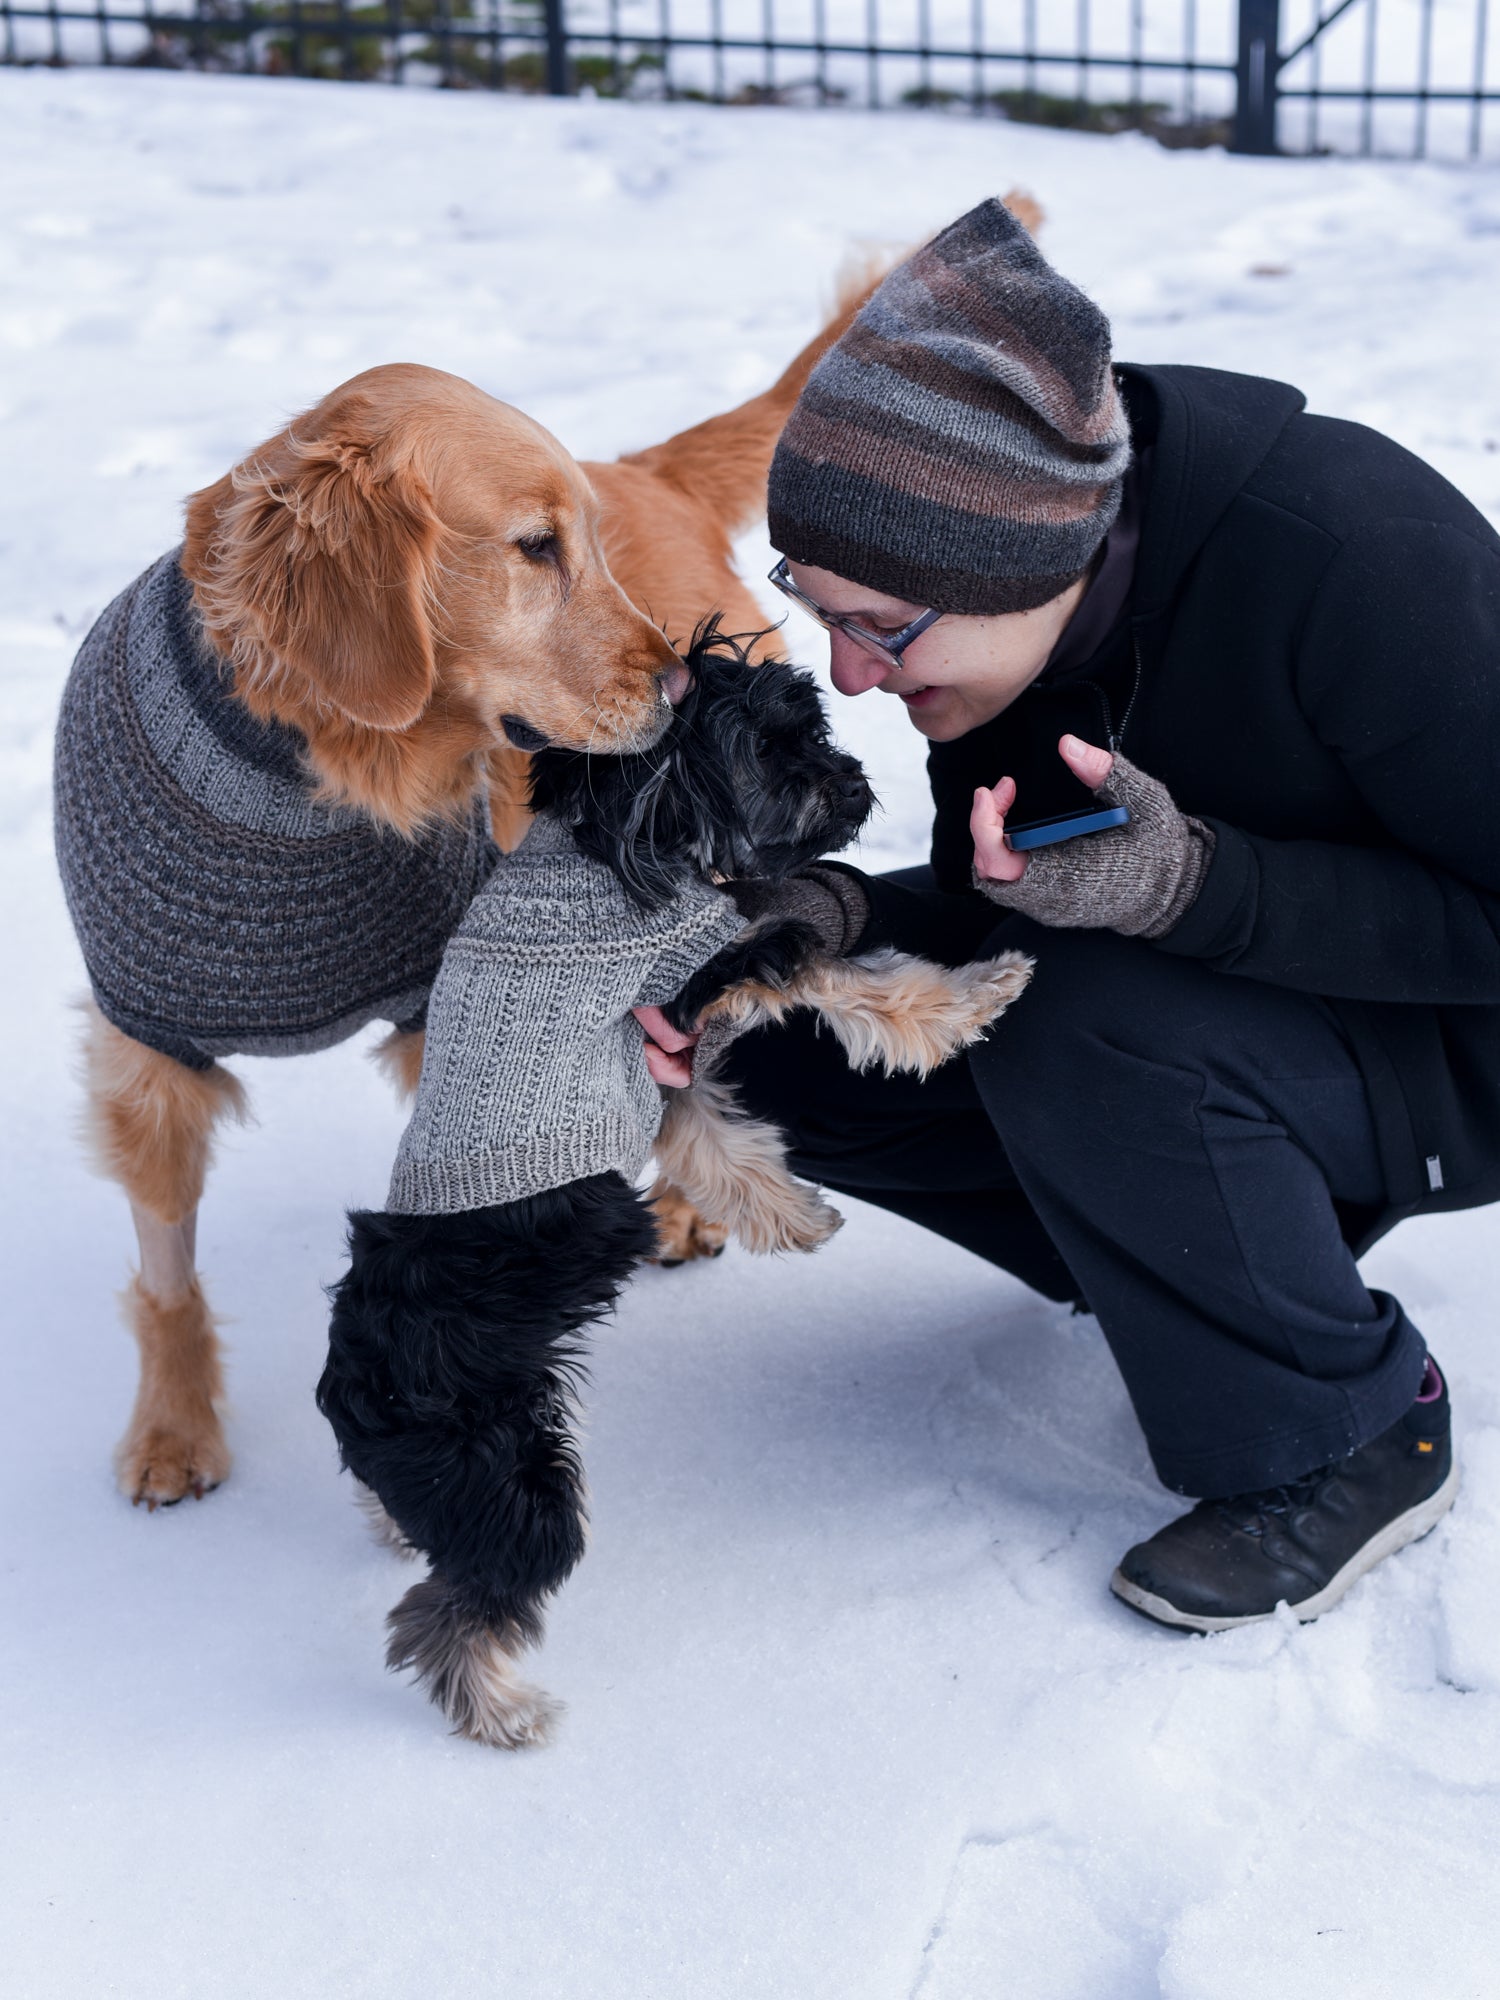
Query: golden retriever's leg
(681, 1232)
(398, 1056)
(151, 1121)
(734, 1168)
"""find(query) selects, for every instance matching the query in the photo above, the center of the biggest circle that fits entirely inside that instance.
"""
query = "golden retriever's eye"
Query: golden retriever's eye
(539, 548)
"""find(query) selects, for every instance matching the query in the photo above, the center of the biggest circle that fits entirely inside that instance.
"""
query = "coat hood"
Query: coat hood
(1209, 432)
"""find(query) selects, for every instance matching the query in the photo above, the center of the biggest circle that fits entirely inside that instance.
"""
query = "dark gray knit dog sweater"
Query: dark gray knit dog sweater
(220, 907)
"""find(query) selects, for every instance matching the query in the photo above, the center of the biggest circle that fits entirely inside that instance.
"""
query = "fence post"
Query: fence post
(1256, 70)
(559, 83)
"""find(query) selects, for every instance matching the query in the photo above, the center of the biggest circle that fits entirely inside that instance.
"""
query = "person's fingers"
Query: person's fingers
(672, 1072)
(1086, 761)
(660, 1030)
(668, 1051)
(993, 860)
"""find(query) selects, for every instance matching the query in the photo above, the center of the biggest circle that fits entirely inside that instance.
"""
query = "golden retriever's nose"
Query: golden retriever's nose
(675, 682)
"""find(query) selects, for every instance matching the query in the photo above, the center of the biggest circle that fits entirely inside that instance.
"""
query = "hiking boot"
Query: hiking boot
(1231, 1562)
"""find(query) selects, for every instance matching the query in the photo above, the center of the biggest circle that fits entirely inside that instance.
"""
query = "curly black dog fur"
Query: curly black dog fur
(456, 1341)
(747, 781)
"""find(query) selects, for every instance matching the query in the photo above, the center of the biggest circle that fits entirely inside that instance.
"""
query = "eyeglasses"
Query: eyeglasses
(887, 646)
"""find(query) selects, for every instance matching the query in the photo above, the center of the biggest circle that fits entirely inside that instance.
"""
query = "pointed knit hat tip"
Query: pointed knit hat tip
(962, 445)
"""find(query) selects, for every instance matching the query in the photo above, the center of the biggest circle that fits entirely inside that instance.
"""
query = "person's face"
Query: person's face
(959, 673)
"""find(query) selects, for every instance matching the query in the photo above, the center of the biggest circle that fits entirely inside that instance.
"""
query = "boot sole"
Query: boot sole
(1408, 1527)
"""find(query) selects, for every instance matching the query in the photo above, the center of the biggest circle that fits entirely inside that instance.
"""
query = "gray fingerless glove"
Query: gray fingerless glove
(1140, 879)
(832, 902)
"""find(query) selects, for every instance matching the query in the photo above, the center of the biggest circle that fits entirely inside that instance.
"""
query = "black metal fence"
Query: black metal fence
(1402, 77)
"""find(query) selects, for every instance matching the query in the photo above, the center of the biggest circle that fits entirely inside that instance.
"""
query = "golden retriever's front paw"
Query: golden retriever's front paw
(682, 1233)
(159, 1464)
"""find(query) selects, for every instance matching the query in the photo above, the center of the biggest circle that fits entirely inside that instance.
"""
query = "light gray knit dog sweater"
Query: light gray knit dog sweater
(220, 905)
(535, 1073)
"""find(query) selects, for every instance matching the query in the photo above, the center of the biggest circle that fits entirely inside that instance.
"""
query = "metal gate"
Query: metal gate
(1413, 78)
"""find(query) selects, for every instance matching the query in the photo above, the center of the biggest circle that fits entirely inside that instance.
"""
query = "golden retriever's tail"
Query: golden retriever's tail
(721, 465)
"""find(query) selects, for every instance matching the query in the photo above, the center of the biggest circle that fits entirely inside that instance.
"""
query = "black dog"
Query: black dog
(456, 1340)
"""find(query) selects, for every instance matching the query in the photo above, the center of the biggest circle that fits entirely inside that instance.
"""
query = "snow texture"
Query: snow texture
(851, 1711)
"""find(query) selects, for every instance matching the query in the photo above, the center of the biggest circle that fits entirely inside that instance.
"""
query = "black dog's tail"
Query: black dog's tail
(454, 1352)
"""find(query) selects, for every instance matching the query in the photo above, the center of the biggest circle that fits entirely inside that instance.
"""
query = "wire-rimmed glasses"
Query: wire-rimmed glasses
(888, 646)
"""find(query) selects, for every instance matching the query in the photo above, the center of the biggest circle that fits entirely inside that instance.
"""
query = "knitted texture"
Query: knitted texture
(961, 446)
(831, 900)
(535, 1072)
(1139, 879)
(219, 906)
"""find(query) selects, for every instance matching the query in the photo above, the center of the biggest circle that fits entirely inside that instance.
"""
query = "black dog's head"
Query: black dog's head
(745, 782)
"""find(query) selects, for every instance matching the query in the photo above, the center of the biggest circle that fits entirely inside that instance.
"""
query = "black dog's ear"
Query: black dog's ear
(663, 812)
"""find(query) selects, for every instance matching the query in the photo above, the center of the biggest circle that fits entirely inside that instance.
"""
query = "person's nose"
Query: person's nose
(853, 670)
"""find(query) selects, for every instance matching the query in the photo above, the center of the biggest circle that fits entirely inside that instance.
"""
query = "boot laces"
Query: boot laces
(1249, 1511)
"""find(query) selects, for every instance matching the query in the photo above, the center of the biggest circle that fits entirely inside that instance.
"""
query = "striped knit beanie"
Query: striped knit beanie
(961, 446)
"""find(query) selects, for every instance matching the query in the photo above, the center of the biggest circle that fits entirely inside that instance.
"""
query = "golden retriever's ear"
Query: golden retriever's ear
(312, 561)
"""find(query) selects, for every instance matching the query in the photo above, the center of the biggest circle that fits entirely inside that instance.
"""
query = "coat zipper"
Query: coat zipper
(1116, 736)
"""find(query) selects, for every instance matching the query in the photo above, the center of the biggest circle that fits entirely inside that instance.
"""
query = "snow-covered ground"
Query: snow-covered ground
(851, 1711)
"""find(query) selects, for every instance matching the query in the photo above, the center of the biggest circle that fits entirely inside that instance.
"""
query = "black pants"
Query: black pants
(1189, 1153)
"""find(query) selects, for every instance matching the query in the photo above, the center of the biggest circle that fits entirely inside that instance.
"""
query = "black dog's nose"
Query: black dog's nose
(853, 789)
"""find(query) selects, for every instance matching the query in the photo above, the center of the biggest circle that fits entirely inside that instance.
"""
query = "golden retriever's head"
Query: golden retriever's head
(411, 574)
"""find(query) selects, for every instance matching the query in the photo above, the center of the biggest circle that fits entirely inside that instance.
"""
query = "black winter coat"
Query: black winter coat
(1311, 663)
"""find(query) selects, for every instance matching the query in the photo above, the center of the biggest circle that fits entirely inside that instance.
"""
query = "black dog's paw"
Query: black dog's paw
(770, 957)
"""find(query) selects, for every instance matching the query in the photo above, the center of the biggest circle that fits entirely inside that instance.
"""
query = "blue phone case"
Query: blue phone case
(1047, 832)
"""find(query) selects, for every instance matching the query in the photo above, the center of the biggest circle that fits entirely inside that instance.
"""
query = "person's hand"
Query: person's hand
(993, 860)
(1139, 879)
(669, 1052)
(831, 901)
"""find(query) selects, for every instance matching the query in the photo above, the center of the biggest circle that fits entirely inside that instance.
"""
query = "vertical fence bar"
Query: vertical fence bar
(1255, 77)
(1476, 110)
(1314, 126)
(820, 50)
(1367, 115)
(1137, 34)
(1424, 82)
(976, 57)
(716, 32)
(1190, 60)
(1081, 86)
(872, 53)
(445, 41)
(397, 37)
(768, 44)
(924, 51)
(555, 22)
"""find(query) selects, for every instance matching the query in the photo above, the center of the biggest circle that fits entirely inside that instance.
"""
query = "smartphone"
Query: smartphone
(1067, 826)
(1052, 805)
